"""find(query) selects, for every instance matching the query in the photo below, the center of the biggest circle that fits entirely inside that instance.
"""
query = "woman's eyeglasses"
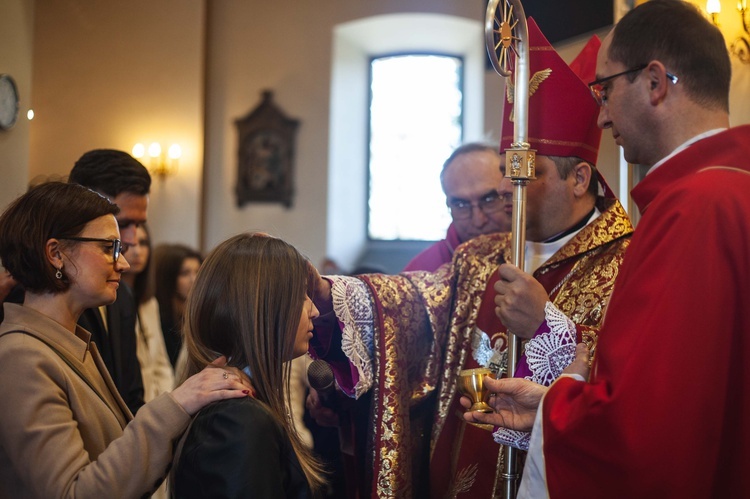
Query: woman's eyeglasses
(116, 244)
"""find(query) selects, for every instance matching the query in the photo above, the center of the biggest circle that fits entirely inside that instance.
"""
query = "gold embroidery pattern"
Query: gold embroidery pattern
(464, 480)
(425, 321)
(590, 338)
(613, 224)
(407, 365)
(473, 266)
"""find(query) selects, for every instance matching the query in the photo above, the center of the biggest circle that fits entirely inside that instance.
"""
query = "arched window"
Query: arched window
(415, 122)
(355, 45)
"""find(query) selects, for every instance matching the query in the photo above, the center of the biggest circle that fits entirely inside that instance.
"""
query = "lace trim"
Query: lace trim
(549, 353)
(353, 306)
(513, 438)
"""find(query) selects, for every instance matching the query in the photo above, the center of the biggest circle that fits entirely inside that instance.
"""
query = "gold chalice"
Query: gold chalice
(471, 384)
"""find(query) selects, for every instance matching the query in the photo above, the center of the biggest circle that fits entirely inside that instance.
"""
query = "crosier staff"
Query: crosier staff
(506, 32)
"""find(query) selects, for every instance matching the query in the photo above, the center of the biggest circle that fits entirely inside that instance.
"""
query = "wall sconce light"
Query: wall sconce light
(159, 164)
(741, 46)
(713, 7)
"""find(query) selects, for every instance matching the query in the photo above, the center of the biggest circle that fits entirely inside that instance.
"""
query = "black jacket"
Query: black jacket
(235, 449)
(117, 345)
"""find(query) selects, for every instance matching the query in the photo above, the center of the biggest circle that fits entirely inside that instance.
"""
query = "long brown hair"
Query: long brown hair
(168, 259)
(143, 282)
(246, 304)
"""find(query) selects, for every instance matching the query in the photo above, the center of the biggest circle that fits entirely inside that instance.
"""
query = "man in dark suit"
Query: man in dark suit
(126, 182)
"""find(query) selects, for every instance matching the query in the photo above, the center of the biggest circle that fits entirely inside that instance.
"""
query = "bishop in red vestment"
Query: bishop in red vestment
(405, 338)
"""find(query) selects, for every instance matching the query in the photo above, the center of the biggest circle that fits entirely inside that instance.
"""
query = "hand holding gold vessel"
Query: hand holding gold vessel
(471, 384)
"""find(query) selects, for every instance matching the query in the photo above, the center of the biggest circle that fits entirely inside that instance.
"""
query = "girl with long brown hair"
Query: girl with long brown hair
(250, 303)
(176, 266)
(156, 370)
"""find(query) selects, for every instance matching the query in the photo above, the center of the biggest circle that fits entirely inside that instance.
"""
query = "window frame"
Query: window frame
(406, 244)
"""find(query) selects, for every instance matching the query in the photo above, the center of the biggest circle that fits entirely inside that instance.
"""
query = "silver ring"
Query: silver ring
(226, 375)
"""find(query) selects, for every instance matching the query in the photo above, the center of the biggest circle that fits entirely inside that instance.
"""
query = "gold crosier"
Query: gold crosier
(506, 37)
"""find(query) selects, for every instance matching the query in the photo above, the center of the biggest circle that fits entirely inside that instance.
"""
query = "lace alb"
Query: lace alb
(547, 354)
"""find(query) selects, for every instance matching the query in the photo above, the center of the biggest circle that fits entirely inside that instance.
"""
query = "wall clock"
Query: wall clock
(8, 102)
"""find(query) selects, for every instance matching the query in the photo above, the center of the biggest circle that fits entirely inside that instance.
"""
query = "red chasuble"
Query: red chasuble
(667, 409)
(425, 324)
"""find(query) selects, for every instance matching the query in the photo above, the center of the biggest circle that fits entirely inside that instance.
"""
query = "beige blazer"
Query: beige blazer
(62, 422)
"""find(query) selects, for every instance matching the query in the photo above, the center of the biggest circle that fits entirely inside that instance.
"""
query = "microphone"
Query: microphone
(320, 376)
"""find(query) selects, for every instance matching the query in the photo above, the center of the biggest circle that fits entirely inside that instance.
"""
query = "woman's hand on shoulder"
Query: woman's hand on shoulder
(215, 382)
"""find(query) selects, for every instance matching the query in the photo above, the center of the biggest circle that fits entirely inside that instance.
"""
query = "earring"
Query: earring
(59, 274)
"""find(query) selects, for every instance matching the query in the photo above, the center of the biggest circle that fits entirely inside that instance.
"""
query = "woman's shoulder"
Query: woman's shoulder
(236, 448)
(237, 427)
(241, 405)
(247, 414)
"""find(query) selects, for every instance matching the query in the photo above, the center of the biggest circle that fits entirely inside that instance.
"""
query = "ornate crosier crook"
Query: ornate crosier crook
(506, 37)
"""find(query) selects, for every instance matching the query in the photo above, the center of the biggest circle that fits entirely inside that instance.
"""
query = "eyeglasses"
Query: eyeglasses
(598, 91)
(117, 246)
(491, 203)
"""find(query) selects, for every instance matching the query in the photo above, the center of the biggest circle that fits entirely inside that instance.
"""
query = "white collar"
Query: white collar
(684, 146)
(537, 254)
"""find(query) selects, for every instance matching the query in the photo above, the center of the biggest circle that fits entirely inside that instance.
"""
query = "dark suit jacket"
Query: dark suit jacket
(117, 345)
(234, 448)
